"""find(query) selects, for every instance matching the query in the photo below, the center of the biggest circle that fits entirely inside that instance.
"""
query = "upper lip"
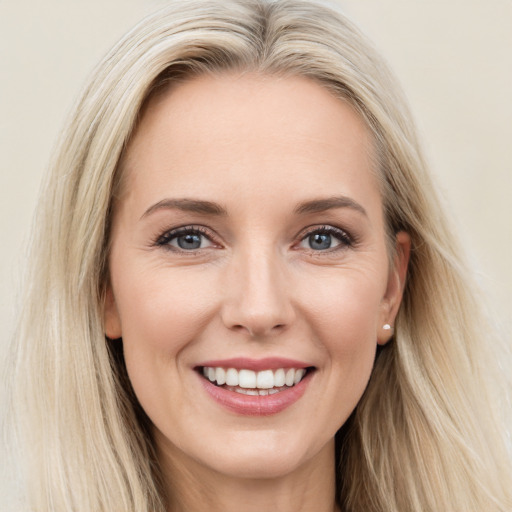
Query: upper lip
(267, 363)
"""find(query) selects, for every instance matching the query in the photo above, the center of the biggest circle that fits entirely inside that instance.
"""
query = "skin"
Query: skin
(257, 147)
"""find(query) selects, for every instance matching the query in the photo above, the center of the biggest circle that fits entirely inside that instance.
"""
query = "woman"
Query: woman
(243, 289)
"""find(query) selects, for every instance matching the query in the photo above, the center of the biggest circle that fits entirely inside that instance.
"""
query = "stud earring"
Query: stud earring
(387, 327)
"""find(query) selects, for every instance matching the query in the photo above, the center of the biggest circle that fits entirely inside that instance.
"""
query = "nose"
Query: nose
(257, 297)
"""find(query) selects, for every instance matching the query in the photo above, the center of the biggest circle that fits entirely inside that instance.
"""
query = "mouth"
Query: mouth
(255, 387)
(254, 383)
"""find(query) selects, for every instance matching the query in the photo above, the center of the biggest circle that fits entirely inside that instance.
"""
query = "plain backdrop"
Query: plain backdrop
(453, 58)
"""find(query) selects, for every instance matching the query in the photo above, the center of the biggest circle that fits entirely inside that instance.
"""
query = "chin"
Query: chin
(258, 467)
(261, 458)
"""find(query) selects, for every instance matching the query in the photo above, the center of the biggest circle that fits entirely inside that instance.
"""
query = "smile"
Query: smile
(255, 387)
(250, 382)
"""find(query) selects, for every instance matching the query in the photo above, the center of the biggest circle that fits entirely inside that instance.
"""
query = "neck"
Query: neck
(191, 487)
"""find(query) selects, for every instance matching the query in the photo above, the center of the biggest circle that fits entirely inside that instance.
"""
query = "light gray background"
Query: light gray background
(453, 58)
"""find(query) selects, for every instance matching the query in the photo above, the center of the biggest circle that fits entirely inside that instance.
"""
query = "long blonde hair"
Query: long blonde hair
(428, 433)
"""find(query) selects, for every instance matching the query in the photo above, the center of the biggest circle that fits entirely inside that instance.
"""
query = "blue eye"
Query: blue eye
(185, 239)
(320, 241)
(325, 238)
(188, 242)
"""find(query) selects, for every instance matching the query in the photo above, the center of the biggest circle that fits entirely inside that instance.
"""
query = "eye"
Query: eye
(189, 242)
(325, 238)
(321, 241)
(185, 239)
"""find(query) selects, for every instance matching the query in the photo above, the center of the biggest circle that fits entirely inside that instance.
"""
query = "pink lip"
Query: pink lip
(268, 363)
(251, 405)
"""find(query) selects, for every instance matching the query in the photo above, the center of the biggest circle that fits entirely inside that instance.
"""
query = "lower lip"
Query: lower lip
(256, 405)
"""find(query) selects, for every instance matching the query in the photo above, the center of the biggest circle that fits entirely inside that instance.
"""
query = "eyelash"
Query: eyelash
(164, 240)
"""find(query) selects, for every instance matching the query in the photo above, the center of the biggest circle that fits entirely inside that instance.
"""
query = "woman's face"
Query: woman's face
(249, 245)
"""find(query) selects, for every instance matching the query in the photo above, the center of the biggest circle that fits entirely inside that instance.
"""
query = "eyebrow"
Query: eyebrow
(322, 205)
(210, 208)
(187, 205)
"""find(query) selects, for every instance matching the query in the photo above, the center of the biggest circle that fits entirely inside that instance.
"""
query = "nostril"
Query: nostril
(256, 331)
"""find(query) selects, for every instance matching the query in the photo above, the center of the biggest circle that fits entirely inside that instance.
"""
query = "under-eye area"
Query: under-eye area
(250, 382)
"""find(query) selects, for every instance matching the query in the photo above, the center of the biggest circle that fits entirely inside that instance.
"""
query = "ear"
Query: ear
(111, 318)
(395, 288)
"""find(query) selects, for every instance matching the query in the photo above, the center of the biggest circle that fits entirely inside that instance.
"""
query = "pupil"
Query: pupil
(189, 241)
(320, 241)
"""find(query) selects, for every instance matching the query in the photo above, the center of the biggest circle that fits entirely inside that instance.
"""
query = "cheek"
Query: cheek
(343, 314)
(161, 313)
(344, 306)
(161, 309)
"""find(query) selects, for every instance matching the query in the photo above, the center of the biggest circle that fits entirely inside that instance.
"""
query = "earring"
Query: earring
(387, 327)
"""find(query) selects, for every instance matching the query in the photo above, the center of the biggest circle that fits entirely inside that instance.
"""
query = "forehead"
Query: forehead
(251, 131)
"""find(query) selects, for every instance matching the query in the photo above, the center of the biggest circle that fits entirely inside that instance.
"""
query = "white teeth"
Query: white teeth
(266, 381)
(298, 375)
(220, 376)
(247, 379)
(232, 377)
(279, 378)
